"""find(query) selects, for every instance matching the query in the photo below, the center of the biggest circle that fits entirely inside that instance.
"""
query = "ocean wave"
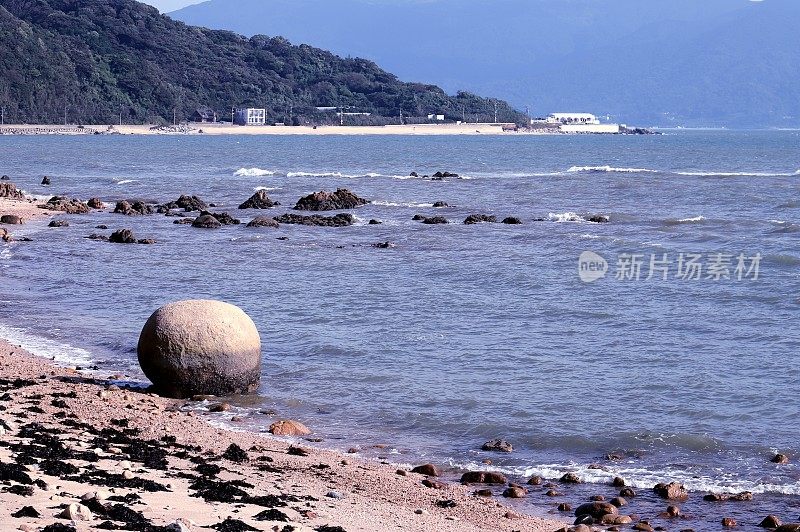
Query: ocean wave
(44, 347)
(611, 169)
(126, 181)
(394, 204)
(349, 176)
(253, 172)
(680, 221)
(569, 217)
(738, 174)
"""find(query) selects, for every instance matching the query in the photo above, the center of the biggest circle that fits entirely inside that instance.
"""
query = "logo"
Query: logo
(591, 267)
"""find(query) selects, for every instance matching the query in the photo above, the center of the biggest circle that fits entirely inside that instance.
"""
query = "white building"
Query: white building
(572, 118)
(438, 118)
(251, 117)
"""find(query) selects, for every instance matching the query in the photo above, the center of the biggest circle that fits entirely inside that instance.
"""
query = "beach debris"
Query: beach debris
(187, 203)
(137, 208)
(296, 451)
(95, 203)
(429, 470)
(26, 511)
(339, 220)
(288, 427)
(272, 515)
(9, 190)
(11, 219)
(673, 491)
(235, 454)
(483, 477)
(196, 347)
(342, 199)
(259, 200)
(480, 218)
(264, 221)
(498, 445)
(512, 220)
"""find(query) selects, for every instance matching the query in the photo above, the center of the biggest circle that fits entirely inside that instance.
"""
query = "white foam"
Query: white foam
(44, 347)
(738, 174)
(611, 169)
(689, 220)
(252, 172)
(126, 181)
(565, 217)
(265, 188)
(393, 204)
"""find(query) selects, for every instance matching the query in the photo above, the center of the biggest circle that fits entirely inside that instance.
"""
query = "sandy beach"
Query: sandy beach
(227, 129)
(135, 459)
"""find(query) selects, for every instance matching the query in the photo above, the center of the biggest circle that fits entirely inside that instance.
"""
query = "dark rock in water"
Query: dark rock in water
(95, 203)
(673, 491)
(137, 208)
(435, 220)
(375, 222)
(441, 175)
(627, 492)
(483, 477)
(418, 218)
(383, 245)
(479, 218)
(184, 221)
(95, 236)
(596, 509)
(11, 219)
(598, 219)
(26, 511)
(535, 480)
(4, 178)
(427, 469)
(123, 236)
(729, 522)
(222, 217)
(67, 205)
(58, 223)
(512, 220)
(46, 180)
(789, 527)
(263, 221)
(440, 204)
(619, 502)
(570, 478)
(498, 445)
(780, 459)
(412, 174)
(618, 482)
(9, 190)
(187, 203)
(340, 220)
(206, 221)
(515, 492)
(259, 200)
(770, 521)
(564, 507)
(342, 199)
(146, 241)
(101, 227)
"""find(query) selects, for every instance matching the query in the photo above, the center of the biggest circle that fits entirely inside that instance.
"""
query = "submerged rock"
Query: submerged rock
(780, 459)
(440, 205)
(673, 491)
(342, 199)
(205, 221)
(441, 175)
(11, 219)
(58, 223)
(46, 181)
(263, 221)
(498, 445)
(598, 218)
(95, 203)
(137, 208)
(479, 218)
(187, 203)
(435, 220)
(200, 347)
(123, 236)
(340, 220)
(483, 477)
(512, 220)
(259, 200)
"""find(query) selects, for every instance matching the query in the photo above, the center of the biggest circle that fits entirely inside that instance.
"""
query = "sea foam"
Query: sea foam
(253, 172)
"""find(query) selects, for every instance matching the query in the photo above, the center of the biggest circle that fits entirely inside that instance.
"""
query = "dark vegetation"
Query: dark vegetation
(102, 61)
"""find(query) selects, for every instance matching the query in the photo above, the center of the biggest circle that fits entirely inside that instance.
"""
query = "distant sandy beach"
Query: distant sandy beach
(226, 129)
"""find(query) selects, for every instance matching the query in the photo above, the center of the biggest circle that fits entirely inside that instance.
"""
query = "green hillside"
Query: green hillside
(96, 59)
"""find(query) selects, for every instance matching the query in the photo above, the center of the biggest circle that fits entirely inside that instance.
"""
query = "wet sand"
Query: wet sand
(66, 435)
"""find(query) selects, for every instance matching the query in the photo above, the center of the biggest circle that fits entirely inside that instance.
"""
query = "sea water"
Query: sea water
(462, 333)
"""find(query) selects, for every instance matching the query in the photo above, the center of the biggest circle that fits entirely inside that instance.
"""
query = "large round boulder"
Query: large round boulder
(200, 347)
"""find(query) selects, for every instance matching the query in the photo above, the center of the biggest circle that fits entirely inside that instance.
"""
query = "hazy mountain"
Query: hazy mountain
(94, 59)
(652, 62)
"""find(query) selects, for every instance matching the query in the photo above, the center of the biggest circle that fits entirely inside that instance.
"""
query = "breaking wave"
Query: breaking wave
(569, 217)
(611, 169)
(126, 181)
(252, 172)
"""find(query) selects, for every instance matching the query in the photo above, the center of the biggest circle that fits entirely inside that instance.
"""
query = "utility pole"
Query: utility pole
(2, 116)
(65, 114)
(401, 116)
(233, 115)
(495, 111)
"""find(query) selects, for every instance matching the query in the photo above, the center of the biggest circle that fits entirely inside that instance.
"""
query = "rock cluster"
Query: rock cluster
(9, 190)
(259, 200)
(342, 199)
(67, 205)
(186, 203)
(479, 218)
(137, 208)
(263, 221)
(339, 220)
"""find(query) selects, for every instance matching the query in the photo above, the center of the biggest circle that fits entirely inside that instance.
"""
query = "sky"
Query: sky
(170, 5)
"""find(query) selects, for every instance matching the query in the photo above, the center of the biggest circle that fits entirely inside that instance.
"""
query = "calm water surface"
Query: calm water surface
(460, 333)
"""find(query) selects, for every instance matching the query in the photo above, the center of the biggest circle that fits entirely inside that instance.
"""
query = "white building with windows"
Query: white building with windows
(572, 118)
(251, 117)
(580, 123)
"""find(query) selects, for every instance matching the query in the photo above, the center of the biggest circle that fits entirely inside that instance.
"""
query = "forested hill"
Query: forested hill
(95, 59)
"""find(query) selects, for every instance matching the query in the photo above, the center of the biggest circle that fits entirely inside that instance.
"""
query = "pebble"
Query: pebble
(77, 512)
(334, 495)
(127, 475)
(420, 511)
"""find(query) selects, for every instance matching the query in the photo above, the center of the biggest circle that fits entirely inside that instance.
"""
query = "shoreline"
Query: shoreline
(311, 487)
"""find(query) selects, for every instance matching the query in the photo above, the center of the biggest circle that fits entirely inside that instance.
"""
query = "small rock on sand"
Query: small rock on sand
(288, 427)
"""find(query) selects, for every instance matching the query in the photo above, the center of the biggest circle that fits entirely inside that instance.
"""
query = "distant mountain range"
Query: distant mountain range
(98, 61)
(666, 62)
